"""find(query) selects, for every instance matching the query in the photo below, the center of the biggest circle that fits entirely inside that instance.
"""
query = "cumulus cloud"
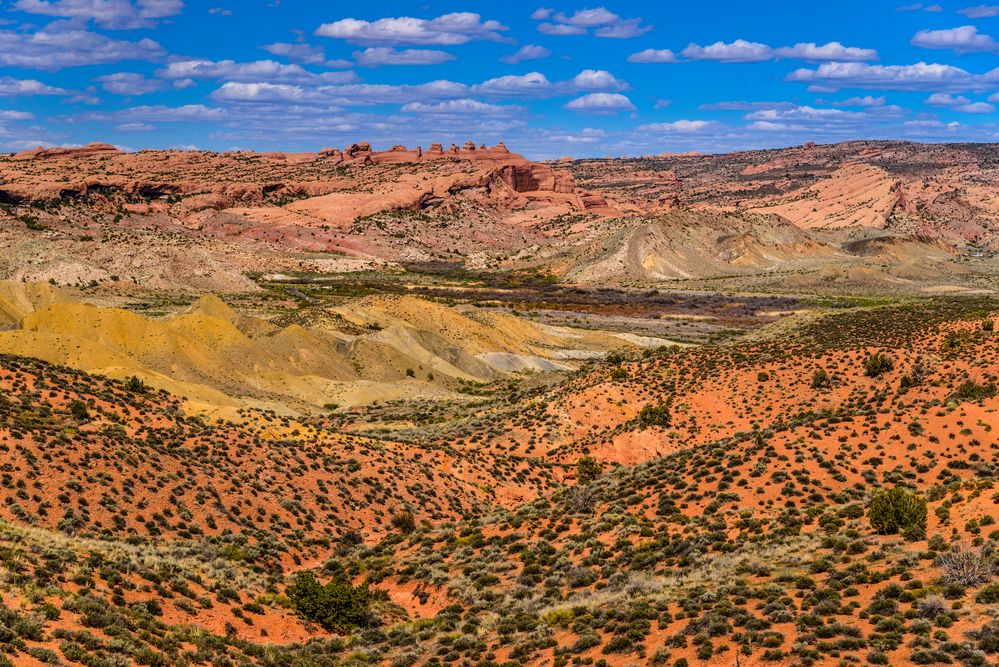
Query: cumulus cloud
(980, 11)
(920, 76)
(532, 84)
(680, 126)
(15, 115)
(526, 52)
(158, 114)
(739, 51)
(306, 54)
(598, 79)
(743, 51)
(448, 29)
(462, 106)
(826, 52)
(135, 127)
(129, 83)
(601, 103)
(965, 39)
(653, 56)
(60, 45)
(376, 56)
(958, 103)
(600, 21)
(537, 85)
(112, 14)
(341, 95)
(253, 71)
(865, 101)
(11, 87)
(806, 115)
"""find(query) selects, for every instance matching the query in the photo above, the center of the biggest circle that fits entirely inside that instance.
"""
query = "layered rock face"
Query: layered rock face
(228, 178)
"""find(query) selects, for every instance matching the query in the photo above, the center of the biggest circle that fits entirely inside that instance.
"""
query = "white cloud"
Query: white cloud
(602, 21)
(61, 45)
(601, 103)
(980, 11)
(537, 85)
(959, 103)
(653, 56)
(865, 101)
(15, 115)
(341, 95)
(129, 83)
(965, 39)
(135, 127)
(743, 51)
(680, 126)
(449, 29)
(739, 51)
(9, 86)
(377, 56)
(831, 51)
(532, 84)
(561, 30)
(253, 71)
(598, 79)
(920, 76)
(809, 115)
(461, 106)
(159, 114)
(113, 14)
(526, 52)
(307, 54)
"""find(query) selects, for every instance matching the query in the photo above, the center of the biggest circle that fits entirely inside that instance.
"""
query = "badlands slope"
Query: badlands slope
(371, 349)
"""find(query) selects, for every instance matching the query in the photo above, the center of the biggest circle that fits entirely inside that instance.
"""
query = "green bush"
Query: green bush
(588, 469)
(135, 385)
(820, 379)
(404, 521)
(898, 510)
(79, 411)
(972, 391)
(877, 364)
(654, 415)
(989, 594)
(338, 606)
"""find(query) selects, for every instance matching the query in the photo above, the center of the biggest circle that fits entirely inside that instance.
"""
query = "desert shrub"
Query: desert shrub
(878, 364)
(588, 469)
(988, 325)
(898, 510)
(654, 415)
(989, 594)
(135, 385)
(79, 410)
(338, 606)
(404, 521)
(820, 379)
(965, 567)
(972, 391)
(762, 376)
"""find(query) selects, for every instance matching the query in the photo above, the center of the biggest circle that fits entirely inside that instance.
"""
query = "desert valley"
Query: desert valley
(385, 335)
(453, 406)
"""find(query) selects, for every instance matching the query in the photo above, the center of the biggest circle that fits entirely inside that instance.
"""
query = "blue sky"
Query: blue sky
(548, 79)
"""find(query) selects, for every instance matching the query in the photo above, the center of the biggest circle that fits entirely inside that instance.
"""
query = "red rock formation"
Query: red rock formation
(95, 148)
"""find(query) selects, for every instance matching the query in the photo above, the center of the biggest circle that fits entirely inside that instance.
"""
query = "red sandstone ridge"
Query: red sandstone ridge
(94, 148)
(241, 178)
